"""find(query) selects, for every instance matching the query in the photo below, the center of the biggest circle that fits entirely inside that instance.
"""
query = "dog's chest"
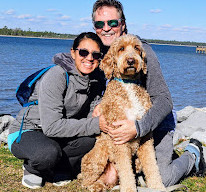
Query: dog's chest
(137, 110)
(122, 101)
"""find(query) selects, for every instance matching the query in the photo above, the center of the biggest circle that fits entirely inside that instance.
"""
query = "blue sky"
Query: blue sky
(181, 20)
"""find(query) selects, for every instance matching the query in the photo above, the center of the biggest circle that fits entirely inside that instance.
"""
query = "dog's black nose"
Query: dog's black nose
(130, 61)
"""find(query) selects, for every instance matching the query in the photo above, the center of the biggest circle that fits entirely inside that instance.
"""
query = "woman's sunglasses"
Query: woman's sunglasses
(111, 23)
(84, 53)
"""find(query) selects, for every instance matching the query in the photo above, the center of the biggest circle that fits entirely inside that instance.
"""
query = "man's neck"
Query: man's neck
(106, 48)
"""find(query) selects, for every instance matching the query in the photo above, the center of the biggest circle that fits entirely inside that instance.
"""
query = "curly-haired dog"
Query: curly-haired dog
(124, 98)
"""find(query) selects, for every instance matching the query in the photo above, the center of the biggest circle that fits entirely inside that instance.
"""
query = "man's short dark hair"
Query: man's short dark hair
(110, 3)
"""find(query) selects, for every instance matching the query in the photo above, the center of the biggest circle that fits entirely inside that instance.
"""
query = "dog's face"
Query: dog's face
(125, 58)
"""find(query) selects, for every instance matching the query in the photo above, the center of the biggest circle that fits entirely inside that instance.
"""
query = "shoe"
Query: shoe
(30, 180)
(61, 180)
(61, 183)
(116, 187)
(195, 147)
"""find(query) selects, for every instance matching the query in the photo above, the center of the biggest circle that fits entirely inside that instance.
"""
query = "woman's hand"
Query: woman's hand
(125, 131)
(103, 124)
(96, 111)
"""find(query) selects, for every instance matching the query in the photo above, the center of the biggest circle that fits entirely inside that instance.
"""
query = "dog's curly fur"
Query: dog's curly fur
(126, 59)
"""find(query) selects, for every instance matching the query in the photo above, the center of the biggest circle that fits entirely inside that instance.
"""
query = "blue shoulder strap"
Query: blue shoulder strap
(39, 75)
(30, 84)
(34, 103)
(67, 77)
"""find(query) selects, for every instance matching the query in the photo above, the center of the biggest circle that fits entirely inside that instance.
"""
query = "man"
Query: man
(110, 23)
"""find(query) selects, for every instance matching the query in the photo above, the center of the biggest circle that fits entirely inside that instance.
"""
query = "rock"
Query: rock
(4, 135)
(191, 124)
(5, 121)
(183, 114)
(204, 152)
(194, 125)
(200, 135)
(177, 136)
(201, 109)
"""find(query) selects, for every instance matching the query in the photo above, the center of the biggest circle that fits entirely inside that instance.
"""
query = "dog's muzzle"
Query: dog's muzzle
(130, 68)
(131, 61)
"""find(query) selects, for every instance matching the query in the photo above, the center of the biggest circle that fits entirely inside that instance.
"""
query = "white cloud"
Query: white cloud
(55, 12)
(51, 10)
(155, 11)
(86, 19)
(41, 17)
(31, 19)
(25, 16)
(147, 26)
(64, 23)
(189, 29)
(169, 32)
(58, 14)
(166, 26)
(192, 28)
(84, 24)
(10, 12)
(65, 17)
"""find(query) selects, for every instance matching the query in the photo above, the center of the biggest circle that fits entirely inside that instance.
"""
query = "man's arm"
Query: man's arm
(159, 93)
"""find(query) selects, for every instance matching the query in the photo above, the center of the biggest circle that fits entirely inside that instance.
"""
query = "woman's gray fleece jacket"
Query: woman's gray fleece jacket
(64, 111)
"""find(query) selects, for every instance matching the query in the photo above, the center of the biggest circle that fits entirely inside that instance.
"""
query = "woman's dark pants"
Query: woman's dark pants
(45, 156)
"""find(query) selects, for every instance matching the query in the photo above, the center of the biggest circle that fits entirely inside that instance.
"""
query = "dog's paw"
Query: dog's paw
(159, 187)
(162, 188)
(98, 187)
(79, 176)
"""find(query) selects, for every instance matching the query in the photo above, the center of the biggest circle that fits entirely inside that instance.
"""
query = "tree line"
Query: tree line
(28, 33)
(189, 43)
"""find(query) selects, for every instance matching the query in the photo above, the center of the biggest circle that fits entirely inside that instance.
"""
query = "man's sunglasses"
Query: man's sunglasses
(111, 23)
(84, 53)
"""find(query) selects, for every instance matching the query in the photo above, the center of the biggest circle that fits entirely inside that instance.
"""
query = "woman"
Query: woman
(60, 129)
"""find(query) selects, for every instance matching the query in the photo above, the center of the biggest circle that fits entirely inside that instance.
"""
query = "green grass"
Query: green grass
(8, 159)
(11, 175)
(195, 184)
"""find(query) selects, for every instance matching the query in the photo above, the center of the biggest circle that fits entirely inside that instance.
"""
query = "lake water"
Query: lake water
(183, 69)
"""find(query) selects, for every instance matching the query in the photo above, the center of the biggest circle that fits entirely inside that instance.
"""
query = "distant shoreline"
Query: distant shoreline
(18, 32)
(173, 44)
(36, 37)
(73, 39)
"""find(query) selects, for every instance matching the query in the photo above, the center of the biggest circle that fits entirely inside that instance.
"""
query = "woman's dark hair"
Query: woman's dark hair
(110, 3)
(88, 35)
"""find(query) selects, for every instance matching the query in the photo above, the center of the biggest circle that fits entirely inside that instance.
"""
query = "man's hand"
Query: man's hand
(126, 131)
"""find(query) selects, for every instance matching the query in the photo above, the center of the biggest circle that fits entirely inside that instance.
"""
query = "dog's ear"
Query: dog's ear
(107, 64)
(144, 61)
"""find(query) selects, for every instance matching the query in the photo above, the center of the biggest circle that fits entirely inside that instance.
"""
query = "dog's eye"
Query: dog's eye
(136, 48)
(121, 49)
